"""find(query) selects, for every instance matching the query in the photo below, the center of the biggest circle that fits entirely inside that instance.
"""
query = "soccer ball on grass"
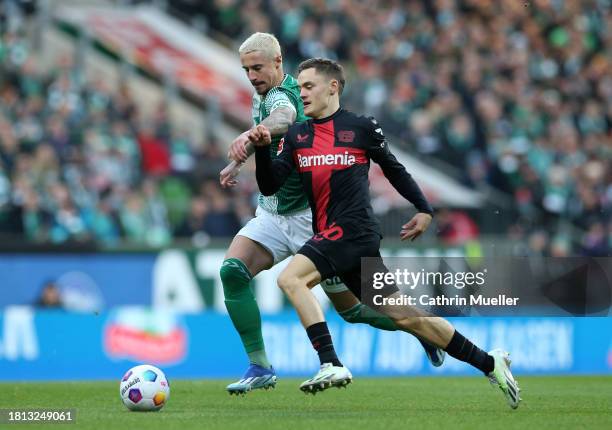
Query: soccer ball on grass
(144, 388)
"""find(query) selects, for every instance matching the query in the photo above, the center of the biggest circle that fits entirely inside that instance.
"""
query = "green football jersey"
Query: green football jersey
(290, 198)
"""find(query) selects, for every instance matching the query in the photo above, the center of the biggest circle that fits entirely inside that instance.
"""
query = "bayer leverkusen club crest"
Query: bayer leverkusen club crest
(280, 146)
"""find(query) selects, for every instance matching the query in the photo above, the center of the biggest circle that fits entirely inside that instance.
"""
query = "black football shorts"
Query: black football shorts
(339, 254)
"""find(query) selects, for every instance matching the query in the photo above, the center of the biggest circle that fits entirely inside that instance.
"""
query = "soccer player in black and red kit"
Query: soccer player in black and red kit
(332, 154)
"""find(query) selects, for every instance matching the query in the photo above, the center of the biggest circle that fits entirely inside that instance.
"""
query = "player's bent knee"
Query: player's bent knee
(235, 276)
(288, 282)
(284, 281)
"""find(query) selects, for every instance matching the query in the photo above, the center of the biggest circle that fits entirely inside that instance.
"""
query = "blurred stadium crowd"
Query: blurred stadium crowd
(516, 95)
(80, 163)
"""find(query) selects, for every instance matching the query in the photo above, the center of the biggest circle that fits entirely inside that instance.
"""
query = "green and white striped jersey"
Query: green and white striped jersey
(290, 198)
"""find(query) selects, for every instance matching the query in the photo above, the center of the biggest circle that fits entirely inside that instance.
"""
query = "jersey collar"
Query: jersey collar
(327, 118)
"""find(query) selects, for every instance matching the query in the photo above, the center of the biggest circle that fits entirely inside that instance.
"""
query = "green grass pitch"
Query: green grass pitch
(384, 403)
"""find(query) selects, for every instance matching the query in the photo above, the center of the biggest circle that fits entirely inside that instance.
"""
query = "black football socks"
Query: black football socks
(462, 349)
(322, 343)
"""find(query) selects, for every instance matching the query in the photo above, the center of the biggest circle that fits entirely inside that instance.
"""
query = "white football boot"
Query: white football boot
(502, 377)
(327, 377)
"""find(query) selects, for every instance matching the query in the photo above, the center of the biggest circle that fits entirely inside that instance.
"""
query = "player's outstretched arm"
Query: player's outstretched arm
(396, 173)
(402, 181)
(270, 174)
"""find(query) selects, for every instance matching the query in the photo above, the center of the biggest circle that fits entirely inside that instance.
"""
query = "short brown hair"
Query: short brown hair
(327, 67)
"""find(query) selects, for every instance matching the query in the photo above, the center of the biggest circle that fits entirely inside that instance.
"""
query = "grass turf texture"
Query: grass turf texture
(385, 403)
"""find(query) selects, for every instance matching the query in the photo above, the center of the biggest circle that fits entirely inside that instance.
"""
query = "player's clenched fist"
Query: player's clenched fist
(260, 136)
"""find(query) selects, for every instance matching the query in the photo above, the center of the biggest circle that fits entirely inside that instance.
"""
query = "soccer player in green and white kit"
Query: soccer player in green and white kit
(283, 221)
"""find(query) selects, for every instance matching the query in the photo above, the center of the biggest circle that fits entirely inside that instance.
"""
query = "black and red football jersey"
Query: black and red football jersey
(332, 156)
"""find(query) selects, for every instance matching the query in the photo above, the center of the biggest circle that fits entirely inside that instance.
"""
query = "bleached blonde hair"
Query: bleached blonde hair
(263, 42)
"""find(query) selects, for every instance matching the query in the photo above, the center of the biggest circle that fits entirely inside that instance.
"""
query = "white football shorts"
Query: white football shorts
(283, 236)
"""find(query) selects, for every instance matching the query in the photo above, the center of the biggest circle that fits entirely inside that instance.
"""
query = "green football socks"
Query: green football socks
(243, 310)
(360, 313)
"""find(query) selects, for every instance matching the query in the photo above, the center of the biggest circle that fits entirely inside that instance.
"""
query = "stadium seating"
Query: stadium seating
(525, 111)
